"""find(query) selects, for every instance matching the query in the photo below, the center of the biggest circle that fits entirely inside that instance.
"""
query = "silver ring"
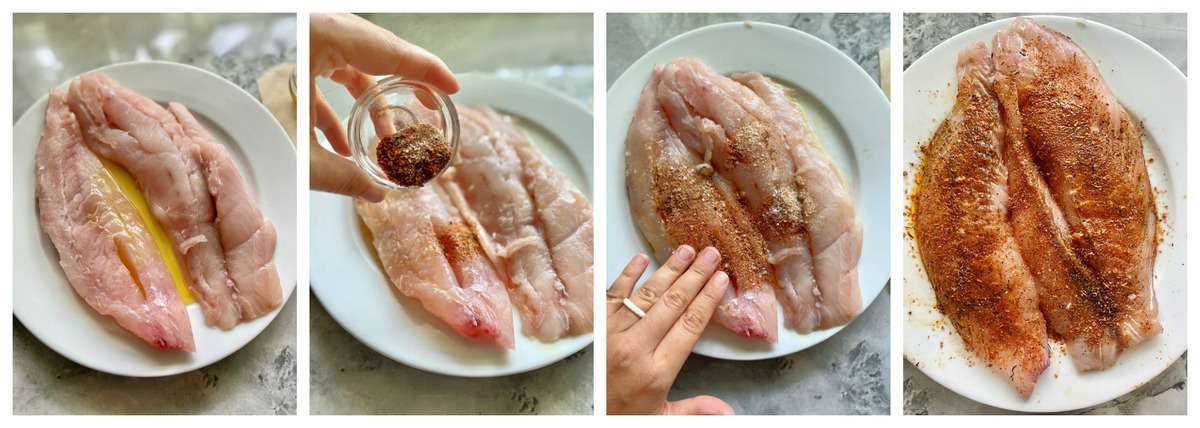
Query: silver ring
(633, 308)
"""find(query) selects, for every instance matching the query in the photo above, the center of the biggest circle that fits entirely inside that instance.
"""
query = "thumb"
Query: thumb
(702, 405)
(332, 173)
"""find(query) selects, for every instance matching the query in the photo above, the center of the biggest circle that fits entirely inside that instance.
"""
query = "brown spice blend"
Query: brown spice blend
(414, 155)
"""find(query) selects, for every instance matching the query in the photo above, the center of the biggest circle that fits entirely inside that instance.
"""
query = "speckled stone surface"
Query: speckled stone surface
(47, 50)
(846, 374)
(860, 36)
(554, 50)
(258, 379)
(1167, 393)
(346, 377)
(849, 372)
(1166, 33)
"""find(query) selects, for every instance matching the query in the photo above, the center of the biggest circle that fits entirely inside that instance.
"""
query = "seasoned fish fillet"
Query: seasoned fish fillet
(967, 245)
(103, 246)
(747, 134)
(674, 202)
(146, 139)
(431, 254)
(247, 237)
(528, 237)
(834, 230)
(1083, 207)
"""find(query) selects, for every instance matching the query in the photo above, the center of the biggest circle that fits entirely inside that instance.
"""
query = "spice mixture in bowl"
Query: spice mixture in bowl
(415, 155)
(403, 133)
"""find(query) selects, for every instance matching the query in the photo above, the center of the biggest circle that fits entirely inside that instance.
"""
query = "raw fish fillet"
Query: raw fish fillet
(103, 246)
(247, 237)
(747, 136)
(530, 222)
(966, 242)
(144, 138)
(1083, 207)
(674, 202)
(563, 214)
(834, 231)
(430, 253)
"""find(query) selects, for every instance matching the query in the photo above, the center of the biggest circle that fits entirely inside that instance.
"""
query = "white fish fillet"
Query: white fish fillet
(247, 237)
(148, 141)
(834, 229)
(431, 254)
(104, 249)
(674, 204)
(530, 237)
(563, 214)
(750, 134)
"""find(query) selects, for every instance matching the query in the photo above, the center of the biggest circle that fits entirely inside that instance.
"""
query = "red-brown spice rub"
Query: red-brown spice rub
(1084, 209)
(966, 244)
(414, 155)
(699, 212)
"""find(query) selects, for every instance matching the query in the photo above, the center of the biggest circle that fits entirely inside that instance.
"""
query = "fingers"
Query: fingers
(658, 283)
(679, 341)
(355, 81)
(341, 40)
(676, 299)
(702, 405)
(336, 174)
(623, 285)
(326, 119)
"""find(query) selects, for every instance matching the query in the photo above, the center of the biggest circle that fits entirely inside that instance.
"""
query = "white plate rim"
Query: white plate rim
(270, 130)
(877, 229)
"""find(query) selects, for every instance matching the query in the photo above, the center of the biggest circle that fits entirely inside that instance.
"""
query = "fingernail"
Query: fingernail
(709, 255)
(640, 260)
(685, 252)
(721, 279)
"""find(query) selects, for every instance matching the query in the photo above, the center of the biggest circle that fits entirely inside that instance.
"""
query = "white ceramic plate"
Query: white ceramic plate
(355, 290)
(1152, 89)
(848, 111)
(43, 299)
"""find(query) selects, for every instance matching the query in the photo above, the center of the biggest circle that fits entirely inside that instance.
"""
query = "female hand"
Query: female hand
(349, 50)
(645, 354)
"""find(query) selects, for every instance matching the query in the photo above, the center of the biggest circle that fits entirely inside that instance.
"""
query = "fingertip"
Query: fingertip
(449, 83)
(721, 280)
(637, 265)
(640, 260)
(684, 253)
(717, 252)
(703, 405)
(710, 256)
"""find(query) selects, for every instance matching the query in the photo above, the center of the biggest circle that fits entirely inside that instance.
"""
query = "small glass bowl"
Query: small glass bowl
(391, 105)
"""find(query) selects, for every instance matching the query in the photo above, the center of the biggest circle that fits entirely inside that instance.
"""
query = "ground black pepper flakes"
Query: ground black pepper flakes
(414, 155)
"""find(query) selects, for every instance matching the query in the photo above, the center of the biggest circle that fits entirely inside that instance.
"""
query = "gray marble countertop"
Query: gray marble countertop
(347, 377)
(1167, 393)
(849, 372)
(49, 49)
(550, 49)
(1166, 33)
(860, 36)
